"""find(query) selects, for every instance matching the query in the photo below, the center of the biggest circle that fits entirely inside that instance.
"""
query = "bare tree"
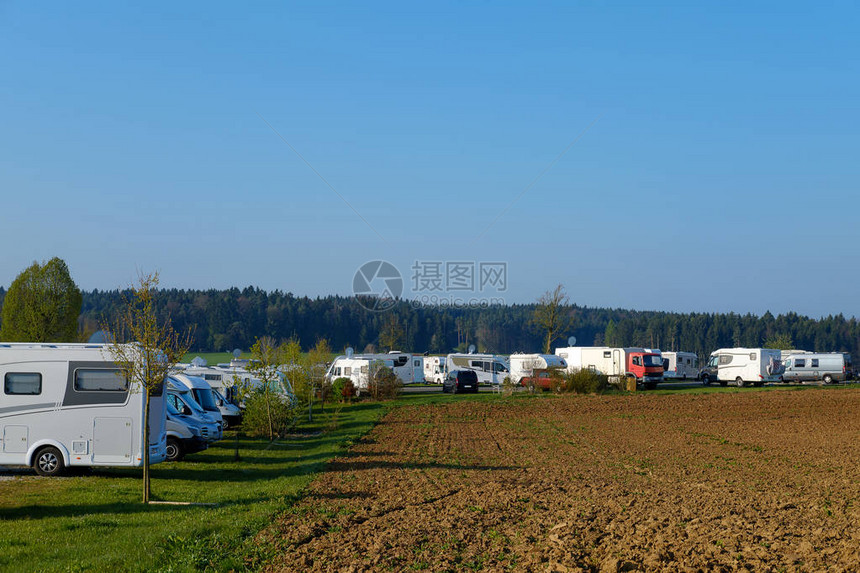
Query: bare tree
(391, 334)
(145, 349)
(552, 315)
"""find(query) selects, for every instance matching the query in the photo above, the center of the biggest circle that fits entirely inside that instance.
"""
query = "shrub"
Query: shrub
(341, 389)
(385, 385)
(507, 386)
(584, 381)
(255, 420)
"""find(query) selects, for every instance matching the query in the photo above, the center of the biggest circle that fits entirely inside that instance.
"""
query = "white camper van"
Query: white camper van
(525, 365)
(743, 366)
(434, 369)
(490, 368)
(808, 366)
(359, 368)
(66, 405)
(680, 365)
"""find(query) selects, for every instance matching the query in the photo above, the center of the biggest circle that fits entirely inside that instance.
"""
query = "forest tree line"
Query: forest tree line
(235, 318)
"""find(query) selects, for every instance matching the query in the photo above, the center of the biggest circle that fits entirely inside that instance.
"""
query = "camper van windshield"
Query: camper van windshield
(652, 360)
(499, 367)
(204, 398)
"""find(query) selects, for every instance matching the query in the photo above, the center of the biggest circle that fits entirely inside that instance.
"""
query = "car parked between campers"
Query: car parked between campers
(460, 381)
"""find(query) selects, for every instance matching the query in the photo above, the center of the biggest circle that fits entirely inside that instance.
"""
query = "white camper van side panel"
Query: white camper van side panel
(88, 427)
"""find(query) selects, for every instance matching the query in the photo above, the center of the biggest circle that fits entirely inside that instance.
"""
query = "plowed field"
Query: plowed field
(762, 481)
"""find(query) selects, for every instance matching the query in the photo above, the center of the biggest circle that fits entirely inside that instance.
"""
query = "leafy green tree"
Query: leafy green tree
(42, 305)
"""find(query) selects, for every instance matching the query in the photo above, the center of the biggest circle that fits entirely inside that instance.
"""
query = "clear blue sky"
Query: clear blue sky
(720, 171)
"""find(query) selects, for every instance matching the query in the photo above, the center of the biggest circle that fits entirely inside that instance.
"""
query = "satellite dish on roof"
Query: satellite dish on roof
(100, 337)
(471, 349)
(199, 362)
(571, 341)
(237, 353)
(349, 352)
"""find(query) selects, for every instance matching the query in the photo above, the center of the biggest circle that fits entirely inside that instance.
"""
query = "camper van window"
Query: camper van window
(725, 359)
(799, 362)
(813, 362)
(337, 371)
(347, 370)
(401, 361)
(417, 363)
(752, 355)
(364, 369)
(606, 354)
(499, 367)
(112, 380)
(212, 377)
(23, 383)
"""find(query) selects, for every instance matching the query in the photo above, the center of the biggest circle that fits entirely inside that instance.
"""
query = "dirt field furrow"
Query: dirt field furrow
(757, 481)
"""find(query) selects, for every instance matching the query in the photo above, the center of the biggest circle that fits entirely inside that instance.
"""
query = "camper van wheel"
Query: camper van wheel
(739, 382)
(828, 379)
(48, 462)
(706, 381)
(173, 452)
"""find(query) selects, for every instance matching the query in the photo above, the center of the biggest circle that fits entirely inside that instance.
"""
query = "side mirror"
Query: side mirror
(186, 411)
(220, 402)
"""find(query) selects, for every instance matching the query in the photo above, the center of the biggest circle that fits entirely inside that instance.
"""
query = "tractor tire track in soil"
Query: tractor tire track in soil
(752, 480)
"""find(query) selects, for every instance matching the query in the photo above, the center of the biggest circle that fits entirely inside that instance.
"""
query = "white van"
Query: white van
(743, 366)
(524, 365)
(490, 368)
(202, 393)
(680, 365)
(66, 405)
(808, 366)
(180, 398)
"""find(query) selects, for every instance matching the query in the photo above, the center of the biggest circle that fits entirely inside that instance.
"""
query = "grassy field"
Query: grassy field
(95, 521)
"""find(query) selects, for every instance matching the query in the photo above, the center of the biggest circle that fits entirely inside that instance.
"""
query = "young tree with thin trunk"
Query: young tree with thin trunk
(266, 357)
(391, 334)
(145, 348)
(552, 315)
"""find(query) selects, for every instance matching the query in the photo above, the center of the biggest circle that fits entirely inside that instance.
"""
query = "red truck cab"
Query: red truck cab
(647, 367)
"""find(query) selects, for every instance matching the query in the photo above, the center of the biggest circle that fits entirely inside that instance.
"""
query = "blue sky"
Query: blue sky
(716, 167)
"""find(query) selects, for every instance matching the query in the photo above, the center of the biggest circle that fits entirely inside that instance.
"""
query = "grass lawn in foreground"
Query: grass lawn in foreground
(96, 522)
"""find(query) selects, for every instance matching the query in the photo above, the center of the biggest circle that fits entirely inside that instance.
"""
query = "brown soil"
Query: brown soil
(758, 481)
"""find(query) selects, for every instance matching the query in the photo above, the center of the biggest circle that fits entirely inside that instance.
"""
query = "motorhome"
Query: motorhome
(67, 405)
(434, 369)
(184, 435)
(229, 380)
(490, 368)
(202, 393)
(181, 398)
(743, 366)
(807, 367)
(524, 366)
(645, 365)
(680, 365)
(360, 368)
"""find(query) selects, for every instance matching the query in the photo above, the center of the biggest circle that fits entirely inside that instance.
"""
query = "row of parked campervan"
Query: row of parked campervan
(644, 366)
(67, 405)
